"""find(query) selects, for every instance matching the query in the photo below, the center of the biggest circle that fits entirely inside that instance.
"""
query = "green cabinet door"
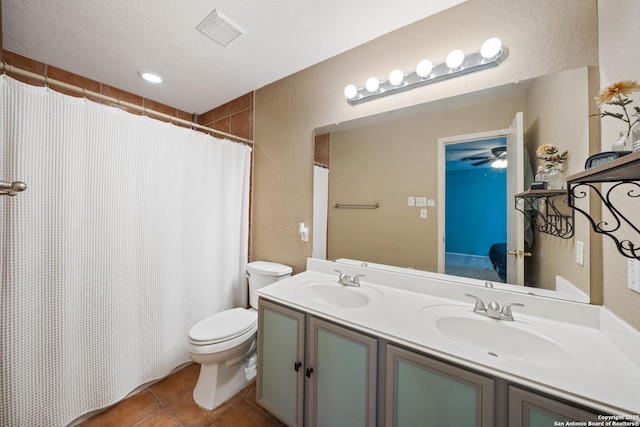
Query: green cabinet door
(280, 362)
(422, 391)
(341, 381)
(529, 409)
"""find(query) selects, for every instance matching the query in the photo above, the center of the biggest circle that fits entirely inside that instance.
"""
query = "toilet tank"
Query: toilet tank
(263, 273)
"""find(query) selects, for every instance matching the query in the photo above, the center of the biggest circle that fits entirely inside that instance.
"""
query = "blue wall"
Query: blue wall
(476, 213)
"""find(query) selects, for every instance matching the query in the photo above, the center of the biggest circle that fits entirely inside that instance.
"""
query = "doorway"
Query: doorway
(515, 157)
(475, 215)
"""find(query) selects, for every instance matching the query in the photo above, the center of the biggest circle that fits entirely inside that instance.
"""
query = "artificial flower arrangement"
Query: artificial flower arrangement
(551, 156)
(618, 94)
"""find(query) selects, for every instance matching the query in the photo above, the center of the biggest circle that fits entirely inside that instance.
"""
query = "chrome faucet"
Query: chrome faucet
(493, 309)
(346, 280)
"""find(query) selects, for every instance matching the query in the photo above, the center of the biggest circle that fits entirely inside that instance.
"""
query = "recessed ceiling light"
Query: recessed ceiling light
(150, 77)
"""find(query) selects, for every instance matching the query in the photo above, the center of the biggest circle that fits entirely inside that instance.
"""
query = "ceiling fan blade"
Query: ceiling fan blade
(498, 151)
(475, 158)
(482, 162)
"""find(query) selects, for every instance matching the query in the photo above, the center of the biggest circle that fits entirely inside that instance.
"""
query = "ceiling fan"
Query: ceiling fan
(497, 153)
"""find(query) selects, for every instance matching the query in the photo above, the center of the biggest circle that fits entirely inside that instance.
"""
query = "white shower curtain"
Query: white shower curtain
(131, 230)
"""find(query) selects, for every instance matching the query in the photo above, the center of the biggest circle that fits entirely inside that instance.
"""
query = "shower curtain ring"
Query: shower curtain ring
(46, 82)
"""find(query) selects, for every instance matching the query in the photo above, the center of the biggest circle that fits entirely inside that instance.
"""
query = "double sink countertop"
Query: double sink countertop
(579, 352)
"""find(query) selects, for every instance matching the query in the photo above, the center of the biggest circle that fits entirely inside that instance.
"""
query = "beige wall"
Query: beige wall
(543, 37)
(619, 60)
(562, 121)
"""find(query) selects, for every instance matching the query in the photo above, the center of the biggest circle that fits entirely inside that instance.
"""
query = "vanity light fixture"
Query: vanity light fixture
(457, 64)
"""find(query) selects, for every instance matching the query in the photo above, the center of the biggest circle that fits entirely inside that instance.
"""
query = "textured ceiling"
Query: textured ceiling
(110, 41)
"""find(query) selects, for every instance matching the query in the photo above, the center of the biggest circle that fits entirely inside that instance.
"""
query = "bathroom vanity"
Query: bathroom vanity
(408, 351)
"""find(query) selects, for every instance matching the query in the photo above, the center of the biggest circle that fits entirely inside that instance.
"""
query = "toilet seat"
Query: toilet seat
(224, 326)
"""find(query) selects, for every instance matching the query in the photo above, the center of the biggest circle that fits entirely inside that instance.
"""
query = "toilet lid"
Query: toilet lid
(224, 326)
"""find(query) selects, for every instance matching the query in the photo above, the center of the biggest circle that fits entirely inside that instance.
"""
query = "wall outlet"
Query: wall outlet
(633, 274)
(421, 201)
(411, 201)
(423, 213)
(580, 252)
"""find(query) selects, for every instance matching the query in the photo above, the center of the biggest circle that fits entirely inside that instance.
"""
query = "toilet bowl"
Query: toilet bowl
(224, 343)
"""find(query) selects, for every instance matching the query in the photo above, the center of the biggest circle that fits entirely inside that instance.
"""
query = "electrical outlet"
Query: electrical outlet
(580, 252)
(633, 274)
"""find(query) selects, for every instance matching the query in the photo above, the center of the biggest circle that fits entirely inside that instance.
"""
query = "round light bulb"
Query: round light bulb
(424, 68)
(455, 59)
(350, 91)
(372, 84)
(491, 48)
(396, 77)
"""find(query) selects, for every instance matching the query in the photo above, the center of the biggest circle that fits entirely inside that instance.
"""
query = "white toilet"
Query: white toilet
(224, 343)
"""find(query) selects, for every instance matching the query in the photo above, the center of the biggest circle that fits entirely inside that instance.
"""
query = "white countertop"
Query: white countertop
(605, 376)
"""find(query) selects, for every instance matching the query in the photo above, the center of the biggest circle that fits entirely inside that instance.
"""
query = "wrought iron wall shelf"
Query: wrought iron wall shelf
(544, 209)
(622, 174)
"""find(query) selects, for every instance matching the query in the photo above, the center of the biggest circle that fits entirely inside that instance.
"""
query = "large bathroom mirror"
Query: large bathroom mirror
(382, 200)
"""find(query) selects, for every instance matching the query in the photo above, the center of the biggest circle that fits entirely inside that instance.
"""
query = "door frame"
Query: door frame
(442, 145)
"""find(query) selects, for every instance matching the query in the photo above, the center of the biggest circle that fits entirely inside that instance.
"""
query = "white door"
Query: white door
(515, 185)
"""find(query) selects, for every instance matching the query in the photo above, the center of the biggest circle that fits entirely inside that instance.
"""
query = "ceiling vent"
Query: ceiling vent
(220, 28)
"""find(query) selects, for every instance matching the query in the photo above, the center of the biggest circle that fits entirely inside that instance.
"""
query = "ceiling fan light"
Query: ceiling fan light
(499, 163)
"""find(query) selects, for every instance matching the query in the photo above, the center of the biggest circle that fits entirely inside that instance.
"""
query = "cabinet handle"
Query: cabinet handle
(296, 366)
(308, 373)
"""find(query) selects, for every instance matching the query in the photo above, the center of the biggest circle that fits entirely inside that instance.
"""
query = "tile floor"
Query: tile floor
(169, 403)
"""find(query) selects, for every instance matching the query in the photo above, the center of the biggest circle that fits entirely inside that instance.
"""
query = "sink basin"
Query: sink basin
(333, 294)
(517, 342)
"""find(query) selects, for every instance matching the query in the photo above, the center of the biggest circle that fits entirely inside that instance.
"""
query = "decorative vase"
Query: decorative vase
(622, 143)
(633, 139)
(555, 179)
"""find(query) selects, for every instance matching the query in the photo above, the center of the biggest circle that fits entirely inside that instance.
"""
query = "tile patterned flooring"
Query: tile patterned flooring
(169, 403)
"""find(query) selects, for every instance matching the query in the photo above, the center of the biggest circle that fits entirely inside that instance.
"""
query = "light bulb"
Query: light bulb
(491, 48)
(499, 163)
(350, 91)
(455, 59)
(372, 84)
(424, 68)
(396, 77)
(150, 77)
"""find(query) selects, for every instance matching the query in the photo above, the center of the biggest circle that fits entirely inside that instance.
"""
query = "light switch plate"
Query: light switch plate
(423, 213)
(421, 201)
(411, 201)
(431, 202)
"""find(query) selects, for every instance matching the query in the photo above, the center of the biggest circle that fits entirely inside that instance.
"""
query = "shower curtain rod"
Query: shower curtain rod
(8, 68)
